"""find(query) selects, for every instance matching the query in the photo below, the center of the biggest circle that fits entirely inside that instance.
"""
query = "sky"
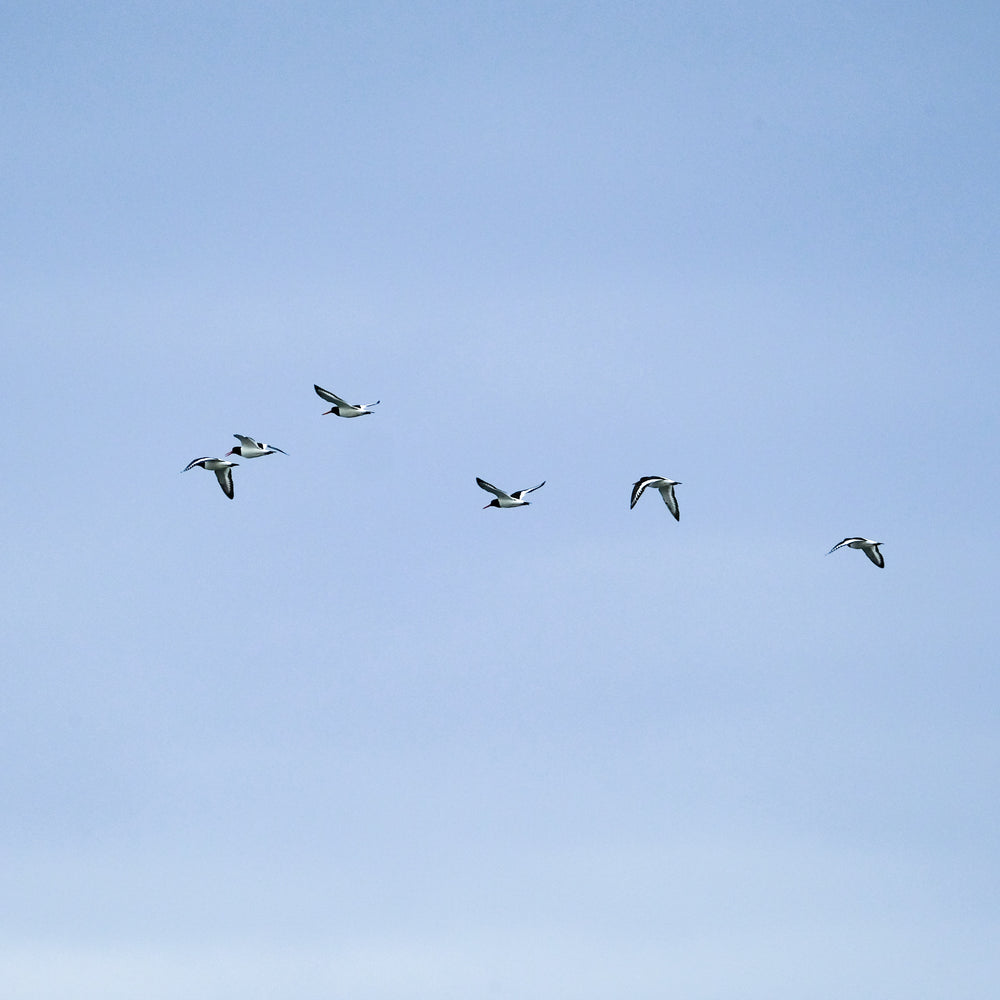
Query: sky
(349, 735)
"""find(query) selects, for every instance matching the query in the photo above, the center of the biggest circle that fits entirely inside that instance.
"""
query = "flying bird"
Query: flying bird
(869, 548)
(666, 488)
(223, 471)
(248, 448)
(342, 408)
(507, 499)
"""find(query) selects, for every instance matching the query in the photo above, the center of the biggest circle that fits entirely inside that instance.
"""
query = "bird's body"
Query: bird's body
(248, 448)
(869, 547)
(341, 408)
(223, 471)
(666, 488)
(507, 499)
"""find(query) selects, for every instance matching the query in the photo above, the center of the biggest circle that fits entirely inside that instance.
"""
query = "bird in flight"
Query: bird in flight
(248, 448)
(223, 471)
(502, 499)
(341, 408)
(866, 545)
(666, 488)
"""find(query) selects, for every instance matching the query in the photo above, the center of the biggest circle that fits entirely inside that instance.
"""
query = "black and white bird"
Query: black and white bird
(223, 471)
(866, 545)
(666, 488)
(248, 448)
(341, 408)
(507, 499)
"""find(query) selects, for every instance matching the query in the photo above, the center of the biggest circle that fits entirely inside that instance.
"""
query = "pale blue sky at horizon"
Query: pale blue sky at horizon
(350, 735)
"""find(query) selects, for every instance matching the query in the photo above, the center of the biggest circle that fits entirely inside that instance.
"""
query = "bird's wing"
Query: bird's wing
(247, 442)
(225, 477)
(330, 397)
(840, 545)
(194, 462)
(271, 446)
(639, 488)
(875, 556)
(521, 494)
(670, 499)
(483, 485)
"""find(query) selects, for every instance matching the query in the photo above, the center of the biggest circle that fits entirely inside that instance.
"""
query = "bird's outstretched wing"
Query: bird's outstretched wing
(225, 477)
(330, 397)
(875, 556)
(521, 494)
(483, 485)
(670, 499)
(640, 487)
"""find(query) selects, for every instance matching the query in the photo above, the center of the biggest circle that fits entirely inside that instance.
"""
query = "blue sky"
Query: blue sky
(352, 736)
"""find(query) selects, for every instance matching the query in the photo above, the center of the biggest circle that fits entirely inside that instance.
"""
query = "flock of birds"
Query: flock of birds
(249, 448)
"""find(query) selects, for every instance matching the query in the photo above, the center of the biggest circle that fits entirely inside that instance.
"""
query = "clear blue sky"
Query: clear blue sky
(350, 735)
